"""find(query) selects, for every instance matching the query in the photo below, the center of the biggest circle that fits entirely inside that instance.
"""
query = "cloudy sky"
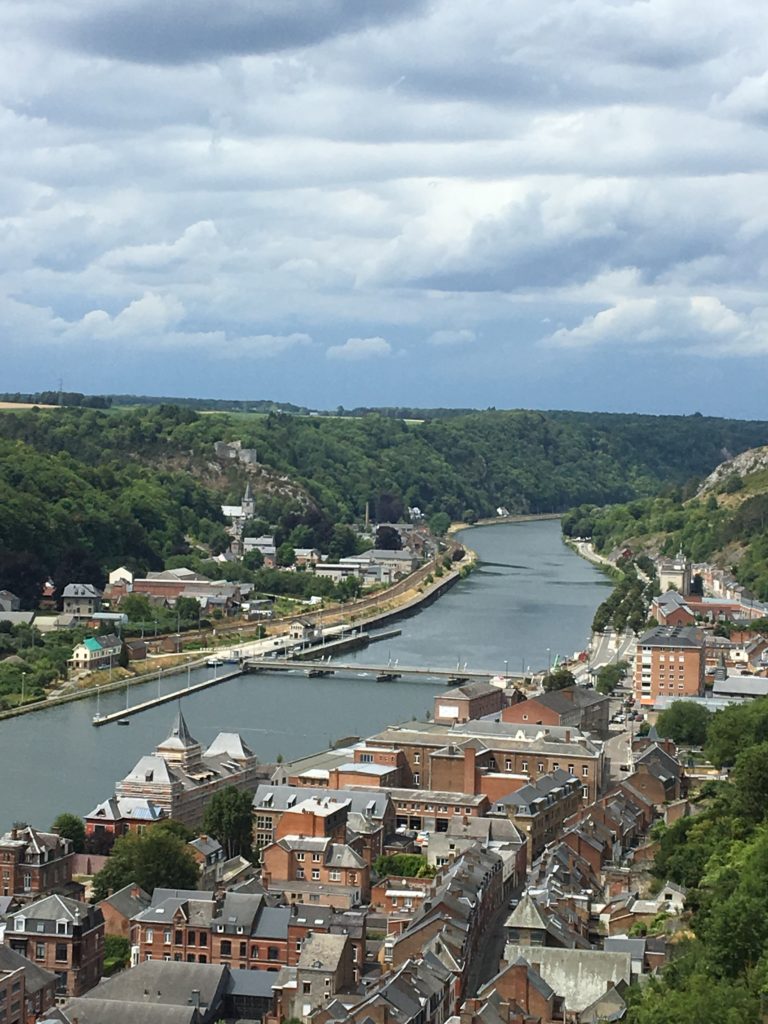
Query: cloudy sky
(517, 203)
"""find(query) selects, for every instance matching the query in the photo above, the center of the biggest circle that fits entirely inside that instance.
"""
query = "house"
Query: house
(210, 856)
(539, 809)
(670, 609)
(9, 602)
(96, 652)
(325, 967)
(38, 986)
(64, 936)
(80, 600)
(33, 863)
(121, 575)
(119, 909)
(241, 930)
(470, 700)
(115, 817)
(574, 706)
(577, 976)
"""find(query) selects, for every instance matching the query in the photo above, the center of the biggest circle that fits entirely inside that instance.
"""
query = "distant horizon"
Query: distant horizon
(4, 397)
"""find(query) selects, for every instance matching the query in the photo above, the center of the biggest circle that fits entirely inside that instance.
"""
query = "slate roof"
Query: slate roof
(106, 1011)
(129, 901)
(35, 977)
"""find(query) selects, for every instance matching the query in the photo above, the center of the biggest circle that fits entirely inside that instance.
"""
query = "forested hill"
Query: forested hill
(724, 522)
(84, 488)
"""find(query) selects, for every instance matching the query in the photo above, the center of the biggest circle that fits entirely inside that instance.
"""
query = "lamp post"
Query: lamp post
(506, 668)
(549, 661)
(23, 685)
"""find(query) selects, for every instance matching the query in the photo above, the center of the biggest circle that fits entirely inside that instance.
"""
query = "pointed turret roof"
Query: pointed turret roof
(180, 736)
(248, 496)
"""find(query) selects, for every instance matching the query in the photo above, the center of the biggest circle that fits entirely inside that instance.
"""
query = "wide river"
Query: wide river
(530, 599)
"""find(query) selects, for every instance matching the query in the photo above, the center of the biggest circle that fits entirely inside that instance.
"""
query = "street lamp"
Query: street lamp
(549, 661)
(23, 682)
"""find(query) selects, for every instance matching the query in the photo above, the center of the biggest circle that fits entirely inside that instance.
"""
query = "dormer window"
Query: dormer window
(19, 923)
(61, 927)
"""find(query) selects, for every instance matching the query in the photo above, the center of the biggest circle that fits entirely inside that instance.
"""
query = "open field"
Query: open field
(25, 405)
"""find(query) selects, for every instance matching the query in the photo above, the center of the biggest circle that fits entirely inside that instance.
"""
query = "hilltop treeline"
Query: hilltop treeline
(82, 490)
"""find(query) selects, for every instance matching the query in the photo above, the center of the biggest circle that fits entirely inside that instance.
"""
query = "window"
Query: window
(299, 855)
(254, 952)
(334, 876)
(417, 758)
(524, 766)
(408, 902)
(555, 766)
(273, 953)
(203, 939)
(585, 792)
(167, 937)
(366, 759)
(61, 952)
(226, 947)
(243, 949)
(585, 770)
(149, 935)
(352, 877)
(306, 987)
(178, 939)
(203, 958)
(540, 766)
(508, 765)
(190, 958)
(191, 938)
(39, 951)
(299, 872)
(315, 874)
(416, 779)
(316, 858)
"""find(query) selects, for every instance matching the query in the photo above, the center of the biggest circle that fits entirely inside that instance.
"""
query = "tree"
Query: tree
(388, 539)
(228, 817)
(405, 865)
(71, 827)
(609, 677)
(685, 722)
(157, 858)
(439, 523)
(285, 554)
(750, 776)
(558, 679)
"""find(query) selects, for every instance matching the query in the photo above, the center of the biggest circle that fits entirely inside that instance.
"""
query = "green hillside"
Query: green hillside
(83, 489)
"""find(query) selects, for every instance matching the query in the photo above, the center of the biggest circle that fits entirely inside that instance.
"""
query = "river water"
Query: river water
(530, 599)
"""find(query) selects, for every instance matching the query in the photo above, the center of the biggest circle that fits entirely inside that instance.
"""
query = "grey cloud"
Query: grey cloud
(188, 31)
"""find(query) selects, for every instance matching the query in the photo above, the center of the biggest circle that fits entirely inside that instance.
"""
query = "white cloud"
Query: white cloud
(355, 349)
(700, 325)
(452, 337)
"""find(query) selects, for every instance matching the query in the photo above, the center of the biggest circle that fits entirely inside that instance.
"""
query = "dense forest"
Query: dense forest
(82, 490)
(720, 973)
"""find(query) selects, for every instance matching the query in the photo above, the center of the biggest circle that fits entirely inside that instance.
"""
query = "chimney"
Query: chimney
(470, 756)
(567, 735)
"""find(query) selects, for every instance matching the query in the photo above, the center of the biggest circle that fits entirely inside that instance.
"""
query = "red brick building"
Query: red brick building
(471, 700)
(189, 926)
(63, 936)
(36, 994)
(669, 663)
(33, 863)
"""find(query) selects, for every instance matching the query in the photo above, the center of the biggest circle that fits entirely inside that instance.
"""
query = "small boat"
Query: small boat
(318, 673)
(214, 661)
(123, 721)
(98, 718)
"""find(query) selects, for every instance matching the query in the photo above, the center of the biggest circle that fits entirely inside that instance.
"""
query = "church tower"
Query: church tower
(248, 503)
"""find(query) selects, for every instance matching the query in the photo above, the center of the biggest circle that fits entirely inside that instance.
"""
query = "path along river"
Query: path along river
(530, 599)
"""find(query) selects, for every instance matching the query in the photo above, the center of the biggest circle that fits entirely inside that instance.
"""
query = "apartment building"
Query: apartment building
(669, 662)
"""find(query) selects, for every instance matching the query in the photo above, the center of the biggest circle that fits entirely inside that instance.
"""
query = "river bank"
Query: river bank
(528, 598)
